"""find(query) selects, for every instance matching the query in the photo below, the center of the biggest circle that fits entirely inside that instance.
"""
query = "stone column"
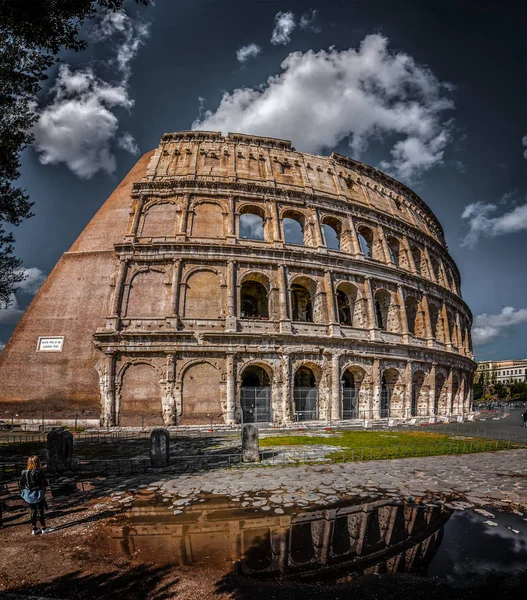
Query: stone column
(176, 277)
(375, 409)
(411, 261)
(330, 302)
(119, 284)
(184, 216)
(354, 239)
(449, 390)
(428, 264)
(231, 221)
(446, 327)
(407, 404)
(230, 321)
(459, 337)
(319, 236)
(137, 215)
(371, 308)
(108, 388)
(428, 321)
(335, 411)
(230, 389)
(384, 244)
(404, 318)
(285, 315)
(287, 415)
(432, 389)
(277, 230)
(250, 446)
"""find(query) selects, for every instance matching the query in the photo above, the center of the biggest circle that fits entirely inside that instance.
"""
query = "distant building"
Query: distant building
(502, 371)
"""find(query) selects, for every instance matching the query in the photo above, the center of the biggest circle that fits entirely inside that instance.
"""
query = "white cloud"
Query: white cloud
(524, 142)
(482, 223)
(307, 21)
(79, 127)
(251, 226)
(355, 94)
(487, 328)
(34, 278)
(246, 52)
(284, 23)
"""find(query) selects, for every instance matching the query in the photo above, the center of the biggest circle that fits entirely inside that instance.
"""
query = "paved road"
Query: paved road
(510, 427)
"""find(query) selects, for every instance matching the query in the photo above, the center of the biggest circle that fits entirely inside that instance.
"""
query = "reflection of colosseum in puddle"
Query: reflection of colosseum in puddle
(336, 543)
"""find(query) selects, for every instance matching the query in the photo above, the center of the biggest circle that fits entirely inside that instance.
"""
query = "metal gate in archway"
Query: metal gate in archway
(350, 402)
(256, 404)
(306, 403)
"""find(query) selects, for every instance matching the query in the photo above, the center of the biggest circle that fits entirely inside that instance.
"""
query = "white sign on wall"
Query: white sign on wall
(50, 344)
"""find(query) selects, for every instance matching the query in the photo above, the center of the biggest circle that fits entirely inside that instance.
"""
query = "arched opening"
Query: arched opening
(440, 394)
(201, 397)
(394, 247)
(365, 235)
(419, 395)
(253, 300)
(417, 256)
(305, 395)
(294, 228)
(436, 322)
(207, 220)
(389, 380)
(386, 319)
(252, 223)
(302, 299)
(348, 305)
(255, 395)
(203, 296)
(332, 231)
(350, 395)
(436, 270)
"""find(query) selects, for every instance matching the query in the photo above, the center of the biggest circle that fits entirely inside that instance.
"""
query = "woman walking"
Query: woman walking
(33, 490)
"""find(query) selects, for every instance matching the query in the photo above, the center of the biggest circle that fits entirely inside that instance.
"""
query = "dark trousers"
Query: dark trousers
(37, 510)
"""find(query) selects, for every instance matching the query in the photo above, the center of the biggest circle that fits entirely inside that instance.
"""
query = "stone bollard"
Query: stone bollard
(160, 447)
(60, 450)
(250, 448)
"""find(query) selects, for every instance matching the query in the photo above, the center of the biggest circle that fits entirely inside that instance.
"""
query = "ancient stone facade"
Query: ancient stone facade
(241, 280)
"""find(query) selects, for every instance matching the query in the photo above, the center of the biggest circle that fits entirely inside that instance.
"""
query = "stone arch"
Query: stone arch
(386, 311)
(420, 394)
(306, 381)
(419, 260)
(204, 294)
(252, 222)
(201, 393)
(254, 296)
(332, 228)
(159, 219)
(255, 392)
(435, 266)
(415, 316)
(436, 322)
(352, 382)
(349, 305)
(208, 219)
(306, 305)
(147, 294)
(138, 395)
(394, 248)
(366, 240)
(295, 234)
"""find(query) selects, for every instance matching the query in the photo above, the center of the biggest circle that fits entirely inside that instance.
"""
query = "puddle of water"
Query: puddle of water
(337, 543)
(345, 543)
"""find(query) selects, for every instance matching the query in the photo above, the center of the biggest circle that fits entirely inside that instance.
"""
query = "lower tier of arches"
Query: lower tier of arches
(277, 388)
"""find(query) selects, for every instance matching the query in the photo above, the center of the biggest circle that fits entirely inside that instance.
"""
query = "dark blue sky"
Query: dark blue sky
(477, 46)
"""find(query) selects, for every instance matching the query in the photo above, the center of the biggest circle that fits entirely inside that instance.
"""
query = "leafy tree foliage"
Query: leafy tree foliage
(32, 33)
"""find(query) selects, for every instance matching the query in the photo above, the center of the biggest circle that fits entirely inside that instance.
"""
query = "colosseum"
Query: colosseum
(233, 279)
